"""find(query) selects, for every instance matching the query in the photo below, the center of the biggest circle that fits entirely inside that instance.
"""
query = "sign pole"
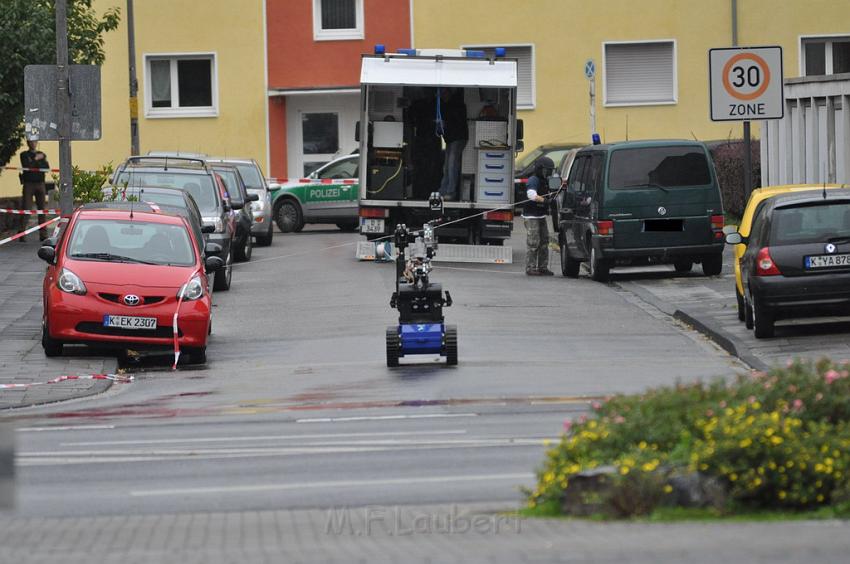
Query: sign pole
(134, 82)
(63, 104)
(592, 107)
(748, 162)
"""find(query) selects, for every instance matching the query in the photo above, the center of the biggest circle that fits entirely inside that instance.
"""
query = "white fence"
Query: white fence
(811, 144)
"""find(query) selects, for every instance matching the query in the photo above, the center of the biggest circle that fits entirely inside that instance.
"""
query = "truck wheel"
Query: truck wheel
(393, 346)
(599, 267)
(569, 266)
(712, 265)
(288, 217)
(451, 345)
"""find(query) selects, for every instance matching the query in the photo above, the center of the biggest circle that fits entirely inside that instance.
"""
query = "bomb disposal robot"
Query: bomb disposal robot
(421, 327)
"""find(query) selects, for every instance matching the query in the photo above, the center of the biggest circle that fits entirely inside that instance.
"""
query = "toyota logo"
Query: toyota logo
(830, 248)
(662, 211)
(132, 300)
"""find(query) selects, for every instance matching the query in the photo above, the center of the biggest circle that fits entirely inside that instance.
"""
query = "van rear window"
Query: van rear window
(667, 167)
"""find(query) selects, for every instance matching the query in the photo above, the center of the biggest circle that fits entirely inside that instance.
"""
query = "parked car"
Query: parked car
(115, 276)
(641, 202)
(243, 242)
(194, 176)
(754, 205)
(797, 260)
(262, 229)
(524, 167)
(317, 199)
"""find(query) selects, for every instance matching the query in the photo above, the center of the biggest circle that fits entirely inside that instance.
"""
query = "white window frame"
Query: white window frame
(828, 38)
(178, 112)
(356, 32)
(672, 102)
(519, 106)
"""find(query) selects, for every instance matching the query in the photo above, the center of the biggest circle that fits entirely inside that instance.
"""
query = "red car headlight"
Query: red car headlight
(192, 290)
(70, 283)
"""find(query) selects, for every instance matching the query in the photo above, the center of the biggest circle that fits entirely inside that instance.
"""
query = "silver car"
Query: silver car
(263, 227)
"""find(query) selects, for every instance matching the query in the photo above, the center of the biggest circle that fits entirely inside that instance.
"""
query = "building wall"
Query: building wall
(233, 31)
(565, 33)
(296, 60)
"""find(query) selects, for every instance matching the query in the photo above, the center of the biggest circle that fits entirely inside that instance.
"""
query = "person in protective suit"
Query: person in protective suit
(534, 213)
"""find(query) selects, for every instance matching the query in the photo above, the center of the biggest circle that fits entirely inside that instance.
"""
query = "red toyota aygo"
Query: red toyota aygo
(116, 276)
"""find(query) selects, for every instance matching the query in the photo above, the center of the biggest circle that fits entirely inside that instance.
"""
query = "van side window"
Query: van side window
(575, 183)
(593, 176)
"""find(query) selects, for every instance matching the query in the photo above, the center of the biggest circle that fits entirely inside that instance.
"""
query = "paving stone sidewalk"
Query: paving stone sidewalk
(467, 535)
(708, 304)
(22, 360)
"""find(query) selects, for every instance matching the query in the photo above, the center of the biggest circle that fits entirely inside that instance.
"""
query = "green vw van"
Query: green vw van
(641, 202)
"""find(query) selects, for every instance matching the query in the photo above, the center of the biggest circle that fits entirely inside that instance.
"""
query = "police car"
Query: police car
(328, 195)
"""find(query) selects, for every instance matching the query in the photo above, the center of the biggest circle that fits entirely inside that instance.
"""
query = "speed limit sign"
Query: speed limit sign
(746, 84)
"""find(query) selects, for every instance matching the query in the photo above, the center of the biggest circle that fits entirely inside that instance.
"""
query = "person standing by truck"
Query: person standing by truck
(534, 214)
(33, 184)
(451, 124)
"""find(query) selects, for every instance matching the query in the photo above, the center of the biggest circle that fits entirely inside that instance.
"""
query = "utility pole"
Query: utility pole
(63, 105)
(134, 83)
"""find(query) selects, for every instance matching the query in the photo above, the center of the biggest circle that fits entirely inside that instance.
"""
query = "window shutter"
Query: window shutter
(639, 73)
(525, 71)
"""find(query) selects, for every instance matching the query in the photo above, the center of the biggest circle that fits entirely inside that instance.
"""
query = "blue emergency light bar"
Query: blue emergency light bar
(501, 51)
(473, 54)
(380, 49)
(408, 52)
(596, 139)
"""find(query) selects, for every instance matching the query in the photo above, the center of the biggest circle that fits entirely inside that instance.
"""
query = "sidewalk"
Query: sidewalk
(22, 360)
(708, 304)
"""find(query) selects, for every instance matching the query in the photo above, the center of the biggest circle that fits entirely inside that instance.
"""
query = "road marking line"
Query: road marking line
(64, 428)
(264, 438)
(331, 484)
(384, 417)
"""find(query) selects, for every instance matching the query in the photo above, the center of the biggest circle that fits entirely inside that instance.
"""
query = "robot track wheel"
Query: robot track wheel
(451, 345)
(393, 346)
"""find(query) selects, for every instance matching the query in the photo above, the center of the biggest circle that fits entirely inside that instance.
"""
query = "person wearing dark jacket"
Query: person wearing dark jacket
(452, 125)
(534, 213)
(33, 184)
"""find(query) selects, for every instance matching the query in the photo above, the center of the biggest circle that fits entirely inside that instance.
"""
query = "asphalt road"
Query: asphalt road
(297, 409)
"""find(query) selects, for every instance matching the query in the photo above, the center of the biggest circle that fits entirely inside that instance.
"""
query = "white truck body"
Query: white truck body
(396, 177)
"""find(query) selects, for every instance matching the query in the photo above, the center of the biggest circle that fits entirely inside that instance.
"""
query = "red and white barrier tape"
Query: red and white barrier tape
(317, 180)
(29, 212)
(28, 231)
(30, 169)
(174, 319)
(118, 378)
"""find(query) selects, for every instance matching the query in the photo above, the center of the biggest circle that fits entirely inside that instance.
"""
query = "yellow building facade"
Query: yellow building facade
(665, 40)
(201, 69)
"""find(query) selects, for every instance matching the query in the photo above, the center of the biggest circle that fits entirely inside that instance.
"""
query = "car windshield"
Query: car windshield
(823, 222)
(199, 186)
(131, 241)
(250, 176)
(665, 167)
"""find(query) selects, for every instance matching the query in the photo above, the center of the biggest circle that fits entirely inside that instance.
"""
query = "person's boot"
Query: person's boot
(545, 272)
(532, 272)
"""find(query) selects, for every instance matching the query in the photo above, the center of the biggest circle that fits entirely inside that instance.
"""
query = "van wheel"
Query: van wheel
(569, 266)
(763, 321)
(683, 265)
(740, 299)
(599, 267)
(712, 265)
(348, 225)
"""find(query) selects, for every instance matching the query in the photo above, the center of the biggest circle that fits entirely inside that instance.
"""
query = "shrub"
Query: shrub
(775, 440)
(88, 184)
(729, 162)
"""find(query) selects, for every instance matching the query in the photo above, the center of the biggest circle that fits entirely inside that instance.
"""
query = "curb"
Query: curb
(702, 325)
(725, 341)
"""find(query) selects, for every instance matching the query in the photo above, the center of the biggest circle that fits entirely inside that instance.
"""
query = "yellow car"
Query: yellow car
(757, 197)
